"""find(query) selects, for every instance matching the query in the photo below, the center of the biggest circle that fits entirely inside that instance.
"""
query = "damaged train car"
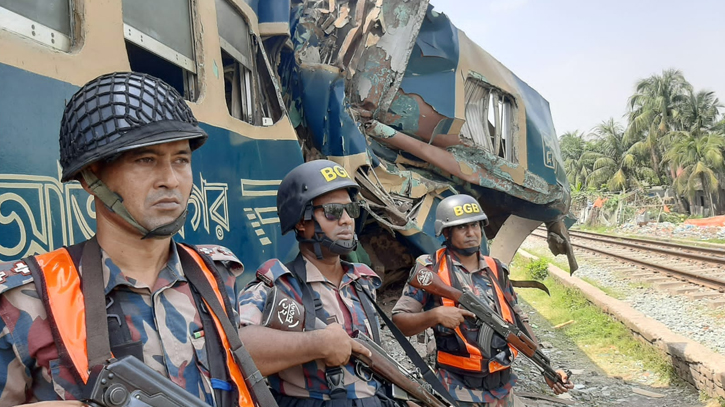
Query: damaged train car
(400, 97)
(389, 89)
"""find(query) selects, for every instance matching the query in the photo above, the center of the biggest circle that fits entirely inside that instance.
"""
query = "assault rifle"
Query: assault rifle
(383, 365)
(128, 382)
(429, 282)
(284, 313)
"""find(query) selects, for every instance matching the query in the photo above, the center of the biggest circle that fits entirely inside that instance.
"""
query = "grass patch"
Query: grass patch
(595, 229)
(538, 270)
(712, 402)
(544, 253)
(604, 340)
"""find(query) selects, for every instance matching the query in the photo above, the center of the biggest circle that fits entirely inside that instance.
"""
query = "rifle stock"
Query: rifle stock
(429, 282)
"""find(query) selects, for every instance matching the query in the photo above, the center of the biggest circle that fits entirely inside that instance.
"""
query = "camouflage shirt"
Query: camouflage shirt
(164, 318)
(416, 300)
(340, 304)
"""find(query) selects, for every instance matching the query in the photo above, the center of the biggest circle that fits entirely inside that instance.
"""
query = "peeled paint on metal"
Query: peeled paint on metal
(472, 165)
(388, 71)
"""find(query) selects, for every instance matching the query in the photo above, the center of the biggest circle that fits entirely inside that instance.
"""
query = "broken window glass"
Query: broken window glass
(251, 98)
(490, 115)
(238, 61)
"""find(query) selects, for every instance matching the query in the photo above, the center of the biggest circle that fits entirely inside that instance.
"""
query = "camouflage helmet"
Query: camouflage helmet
(458, 210)
(305, 183)
(122, 111)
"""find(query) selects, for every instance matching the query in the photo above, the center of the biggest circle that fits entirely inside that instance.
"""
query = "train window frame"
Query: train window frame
(147, 43)
(239, 82)
(497, 109)
(35, 30)
(248, 76)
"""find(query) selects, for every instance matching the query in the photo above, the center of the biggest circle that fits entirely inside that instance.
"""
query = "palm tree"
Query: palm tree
(719, 127)
(699, 111)
(653, 110)
(614, 165)
(698, 157)
(573, 146)
(696, 154)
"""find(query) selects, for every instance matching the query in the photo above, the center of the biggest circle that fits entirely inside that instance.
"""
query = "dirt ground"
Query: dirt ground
(593, 387)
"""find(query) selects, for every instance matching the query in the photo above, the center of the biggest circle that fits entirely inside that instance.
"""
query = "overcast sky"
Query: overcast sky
(584, 56)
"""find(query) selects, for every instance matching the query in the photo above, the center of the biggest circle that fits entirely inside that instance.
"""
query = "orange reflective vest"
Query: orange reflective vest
(473, 360)
(65, 299)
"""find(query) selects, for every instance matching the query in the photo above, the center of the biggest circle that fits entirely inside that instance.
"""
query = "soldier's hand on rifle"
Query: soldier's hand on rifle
(559, 388)
(337, 345)
(451, 317)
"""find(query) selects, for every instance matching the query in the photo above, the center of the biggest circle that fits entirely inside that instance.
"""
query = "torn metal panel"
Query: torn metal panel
(380, 68)
(370, 40)
(400, 97)
(410, 114)
(472, 165)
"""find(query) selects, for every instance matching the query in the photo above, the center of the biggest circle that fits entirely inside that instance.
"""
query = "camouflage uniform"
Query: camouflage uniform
(341, 305)
(164, 318)
(414, 300)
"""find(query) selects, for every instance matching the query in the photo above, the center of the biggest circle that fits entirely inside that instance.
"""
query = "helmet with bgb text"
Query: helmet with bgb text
(305, 183)
(458, 210)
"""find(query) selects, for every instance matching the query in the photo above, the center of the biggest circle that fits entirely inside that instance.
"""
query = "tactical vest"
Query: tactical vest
(60, 289)
(460, 353)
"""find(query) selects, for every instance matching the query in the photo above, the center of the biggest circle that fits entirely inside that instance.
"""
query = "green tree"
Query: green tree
(614, 165)
(699, 111)
(696, 154)
(573, 146)
(698, 157)
(653, 110)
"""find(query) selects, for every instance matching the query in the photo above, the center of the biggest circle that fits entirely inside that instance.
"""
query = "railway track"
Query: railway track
(701, 266)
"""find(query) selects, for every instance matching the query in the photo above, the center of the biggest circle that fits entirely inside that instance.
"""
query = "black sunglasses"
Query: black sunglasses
(333, 211)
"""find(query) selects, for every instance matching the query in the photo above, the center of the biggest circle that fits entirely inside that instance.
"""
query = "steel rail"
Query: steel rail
(623, 242)
(706, 281)
(701, 249)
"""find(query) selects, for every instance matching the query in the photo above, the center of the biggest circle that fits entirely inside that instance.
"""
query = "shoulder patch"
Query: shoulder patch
(366, 273)
(270, 271)
(425, 260)
(504, 267)
(14, 274)
(224, 255)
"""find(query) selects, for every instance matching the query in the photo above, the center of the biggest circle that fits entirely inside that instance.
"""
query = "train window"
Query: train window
(238, 62)
(272, 105)
(46, 21)
(250, 97)
(160, 41)
(490, 118)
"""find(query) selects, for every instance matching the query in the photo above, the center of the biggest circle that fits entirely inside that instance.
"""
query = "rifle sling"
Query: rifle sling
(313, 309)
(253, 378)
(366, 300)
(314, 312)
(98, 344)
(413, 355)
(520, 323)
